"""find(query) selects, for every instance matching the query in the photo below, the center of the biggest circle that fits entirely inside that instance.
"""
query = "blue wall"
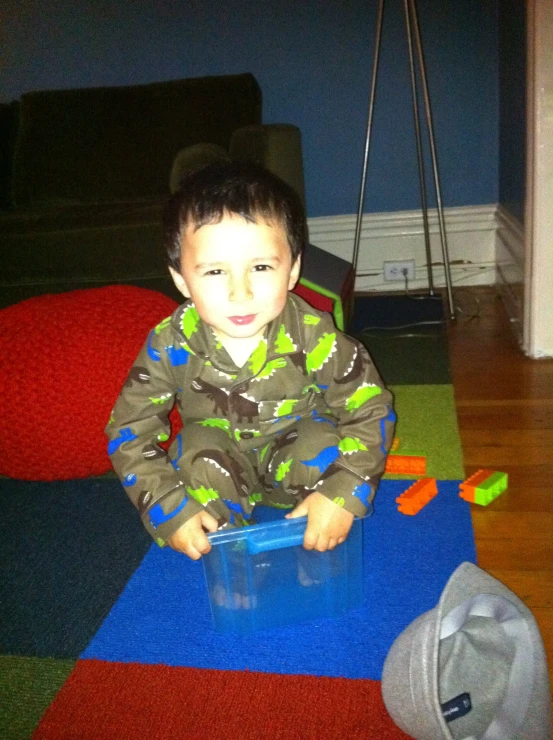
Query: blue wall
(313, 60)
(512, 106)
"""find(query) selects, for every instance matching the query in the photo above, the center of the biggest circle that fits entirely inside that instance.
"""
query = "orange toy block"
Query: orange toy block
(417, 496)
(483, 487)
(406, 464)
(467, 489)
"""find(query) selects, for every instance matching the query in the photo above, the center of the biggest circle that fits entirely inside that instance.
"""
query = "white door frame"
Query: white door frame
(538, 268)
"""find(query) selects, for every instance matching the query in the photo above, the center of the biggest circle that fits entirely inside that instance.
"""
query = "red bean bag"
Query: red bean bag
(63, 361)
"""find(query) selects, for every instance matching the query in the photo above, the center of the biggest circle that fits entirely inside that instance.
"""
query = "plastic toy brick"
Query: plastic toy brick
(406, 464)
(484, 486)
(417, 496)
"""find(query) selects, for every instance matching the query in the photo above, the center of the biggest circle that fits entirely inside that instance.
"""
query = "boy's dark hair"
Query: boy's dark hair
(246, 189)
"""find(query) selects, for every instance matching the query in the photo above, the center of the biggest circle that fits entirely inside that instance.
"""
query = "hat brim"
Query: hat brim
(410, 677)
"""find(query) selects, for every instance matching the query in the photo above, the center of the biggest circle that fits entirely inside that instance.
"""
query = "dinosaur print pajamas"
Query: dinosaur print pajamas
(307, 412)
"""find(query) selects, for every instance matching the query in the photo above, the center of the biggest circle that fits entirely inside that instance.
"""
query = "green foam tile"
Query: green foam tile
(427, 421)
(409, 360)
(27, 688)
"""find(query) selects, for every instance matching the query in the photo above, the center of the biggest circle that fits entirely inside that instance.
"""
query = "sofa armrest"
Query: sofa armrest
(276, 146)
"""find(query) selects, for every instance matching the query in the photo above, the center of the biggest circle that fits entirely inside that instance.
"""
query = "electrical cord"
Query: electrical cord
(441, 322)
(437, 322)
(470, 272)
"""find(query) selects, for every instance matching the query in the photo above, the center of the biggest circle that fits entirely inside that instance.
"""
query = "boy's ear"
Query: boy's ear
(294, 274)
(179, 282)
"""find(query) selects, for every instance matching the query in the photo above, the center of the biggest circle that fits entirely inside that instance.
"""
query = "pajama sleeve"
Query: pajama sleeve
(356, 396)
(139, 422)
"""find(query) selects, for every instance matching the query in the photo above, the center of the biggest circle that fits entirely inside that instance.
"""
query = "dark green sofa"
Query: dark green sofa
(85, 175)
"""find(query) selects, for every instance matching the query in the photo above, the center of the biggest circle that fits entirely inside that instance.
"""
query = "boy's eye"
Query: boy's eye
(214, 272)
(262, 268)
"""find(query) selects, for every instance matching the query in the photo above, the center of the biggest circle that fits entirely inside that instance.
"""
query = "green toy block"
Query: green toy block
(490, 489)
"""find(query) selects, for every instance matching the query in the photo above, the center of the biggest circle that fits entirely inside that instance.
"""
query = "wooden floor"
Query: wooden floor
(505, 411)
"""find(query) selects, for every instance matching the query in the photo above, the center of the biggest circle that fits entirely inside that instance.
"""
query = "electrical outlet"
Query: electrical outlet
(399, 270)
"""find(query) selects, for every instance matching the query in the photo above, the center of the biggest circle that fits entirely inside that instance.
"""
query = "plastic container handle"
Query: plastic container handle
(265, 543)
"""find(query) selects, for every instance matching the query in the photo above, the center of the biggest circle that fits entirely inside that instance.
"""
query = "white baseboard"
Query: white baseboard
(471, 240)
(510, 267)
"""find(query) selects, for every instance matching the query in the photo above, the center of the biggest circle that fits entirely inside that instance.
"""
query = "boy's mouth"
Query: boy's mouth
(240, 320)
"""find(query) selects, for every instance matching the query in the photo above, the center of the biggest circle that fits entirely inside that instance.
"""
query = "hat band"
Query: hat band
(512, 711)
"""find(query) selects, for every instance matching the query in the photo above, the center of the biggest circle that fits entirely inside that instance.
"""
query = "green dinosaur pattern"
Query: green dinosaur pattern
(283, 468)
(284, 342)
(258, 357)
(189, 321)
(255, 498)
(339, 501)
(162, 437)
(162, 324)
(159, 400)
(363, 394)
(348, 445)
(326, 346)
(270, 368)
(310, 320)
(284, 408)
(203, 495)
(223, 424)
(311, 387)
(263, 451)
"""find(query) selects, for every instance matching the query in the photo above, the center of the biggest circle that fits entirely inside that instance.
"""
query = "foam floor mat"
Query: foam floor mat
(163, 615)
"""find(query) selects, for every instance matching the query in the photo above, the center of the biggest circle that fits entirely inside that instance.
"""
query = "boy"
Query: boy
(277, 405)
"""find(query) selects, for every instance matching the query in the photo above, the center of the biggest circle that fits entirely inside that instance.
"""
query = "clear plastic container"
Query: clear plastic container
(261, 576)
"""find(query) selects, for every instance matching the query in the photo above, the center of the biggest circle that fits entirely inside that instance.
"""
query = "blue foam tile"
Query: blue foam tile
(163, 615)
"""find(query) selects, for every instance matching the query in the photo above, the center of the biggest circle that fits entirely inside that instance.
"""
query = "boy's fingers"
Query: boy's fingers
(191, 539)
(325, 543)
(192, 553)
(198, 547)
(201, 544)
(300, 510)
(209, 522)
(311, 538)
(321, 542)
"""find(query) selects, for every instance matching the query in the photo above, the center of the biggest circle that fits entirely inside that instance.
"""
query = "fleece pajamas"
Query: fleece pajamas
(307, 412)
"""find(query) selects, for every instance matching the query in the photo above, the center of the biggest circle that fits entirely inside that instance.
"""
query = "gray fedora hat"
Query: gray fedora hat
(472, 668)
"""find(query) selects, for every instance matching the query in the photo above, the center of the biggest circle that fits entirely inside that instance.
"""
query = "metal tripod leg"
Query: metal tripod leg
(420, 157)
(441, 220)
(357, 237)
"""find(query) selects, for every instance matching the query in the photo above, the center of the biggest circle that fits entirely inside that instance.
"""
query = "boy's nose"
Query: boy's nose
(240, 290)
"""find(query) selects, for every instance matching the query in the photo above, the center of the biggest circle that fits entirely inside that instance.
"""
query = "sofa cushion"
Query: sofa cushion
(193, 157)
(118, 143)
(64, 360)
(94, 241)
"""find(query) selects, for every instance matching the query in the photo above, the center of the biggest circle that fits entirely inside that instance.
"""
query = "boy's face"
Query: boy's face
(238, 274)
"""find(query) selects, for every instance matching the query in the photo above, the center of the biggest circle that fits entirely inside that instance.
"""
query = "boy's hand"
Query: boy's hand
(191, 538)
(328, 524)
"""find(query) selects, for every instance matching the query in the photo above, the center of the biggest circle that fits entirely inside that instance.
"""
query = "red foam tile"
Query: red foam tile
(102, 701)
